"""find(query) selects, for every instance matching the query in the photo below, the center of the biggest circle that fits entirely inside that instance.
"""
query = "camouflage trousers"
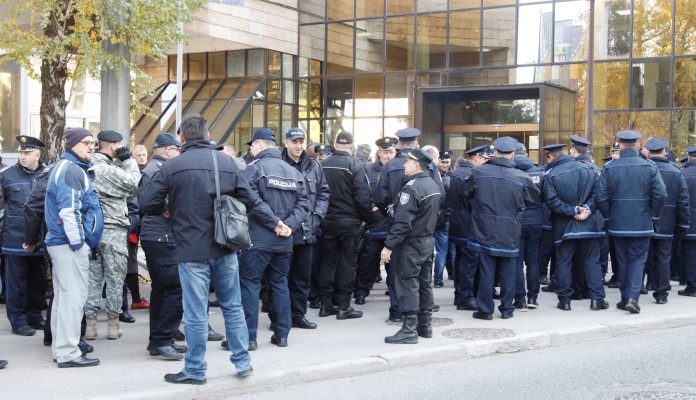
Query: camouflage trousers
(108, 265)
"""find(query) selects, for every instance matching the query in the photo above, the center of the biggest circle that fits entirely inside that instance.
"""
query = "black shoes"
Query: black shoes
(360, 300)
(80, 361)
(327, 310)
(25, 330)
(520, 306)
(576, 296)
(435, 308)
(166, 352)
(547, 289)
(632, 306)
(439, 284)
(180, 348)
(661, 301)
(563, 306)
(687, 292)
(643, 290)
(621, 305)
(407, 334)
(482, 315)
(302, 323)
(179, 336)
(3, 364)
(224, 345)
(544, 280)
(496, 295)
(395, 318)
(348, 313)
(181, 378)
(214, 336)
(507, 315)
(532, 302)
(279, 341)
(314, 304)
(613, 284)
(85, 347)
(125, 317)
(246, 372)
(468, 305)
(600, 304)
(39, 326)
(253, 345)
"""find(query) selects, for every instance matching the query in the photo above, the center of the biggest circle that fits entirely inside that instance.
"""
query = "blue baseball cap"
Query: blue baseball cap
(295, 133)
(166, 140)
(262, 134)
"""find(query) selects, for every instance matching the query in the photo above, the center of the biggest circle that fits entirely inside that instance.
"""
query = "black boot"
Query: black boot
(425, 328)
(348, 313)
(327, 309)
(407, 334)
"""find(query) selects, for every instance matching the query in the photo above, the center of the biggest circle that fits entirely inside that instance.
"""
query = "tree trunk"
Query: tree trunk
(53, 78)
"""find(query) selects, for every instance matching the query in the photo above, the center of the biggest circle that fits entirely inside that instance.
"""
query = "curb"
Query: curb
(225, 386)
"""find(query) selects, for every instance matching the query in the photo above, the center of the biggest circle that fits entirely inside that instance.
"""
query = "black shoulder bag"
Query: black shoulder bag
(231, 221)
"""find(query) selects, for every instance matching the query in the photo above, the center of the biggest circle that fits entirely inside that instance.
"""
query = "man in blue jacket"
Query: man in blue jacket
(631, 195)
(673, 219)
(569, 188)
(498, 194)
(184, 191)
(689, 237)
(304, 240)
(282, 211)
(74, 223)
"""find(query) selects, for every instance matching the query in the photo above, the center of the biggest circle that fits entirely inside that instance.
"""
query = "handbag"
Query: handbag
(230, 214)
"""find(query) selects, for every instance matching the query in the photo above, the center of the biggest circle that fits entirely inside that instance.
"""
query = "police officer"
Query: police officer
(304, 239)
(391, 181)
(25, 268)
(631, 195)
(613, 282)
(530, 238)
(569, 188)
(442, 246)
(411, 242)
(271, 227)
(350, 204)
(377, 229)
(688, 248)
(498, 193)
(466, 261)
(675, 216)
(157, 241)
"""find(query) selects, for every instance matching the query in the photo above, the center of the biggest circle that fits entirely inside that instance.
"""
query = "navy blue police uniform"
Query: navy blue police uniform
(688, 248)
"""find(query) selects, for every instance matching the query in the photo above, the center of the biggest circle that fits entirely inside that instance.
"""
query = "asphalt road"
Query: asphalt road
(651, 365)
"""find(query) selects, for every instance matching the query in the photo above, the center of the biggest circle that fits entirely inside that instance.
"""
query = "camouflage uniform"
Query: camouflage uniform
(115, 181)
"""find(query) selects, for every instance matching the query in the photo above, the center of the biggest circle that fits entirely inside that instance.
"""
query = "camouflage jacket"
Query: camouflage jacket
(115, 181)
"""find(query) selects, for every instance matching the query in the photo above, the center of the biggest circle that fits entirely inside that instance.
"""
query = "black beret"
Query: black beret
(109, 136)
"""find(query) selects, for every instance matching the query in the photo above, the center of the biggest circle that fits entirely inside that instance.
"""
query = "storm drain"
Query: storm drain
(434, 322)
(656, 396)
(478, 333)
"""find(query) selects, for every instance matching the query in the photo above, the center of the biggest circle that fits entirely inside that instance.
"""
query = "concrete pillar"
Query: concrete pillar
(115, 96)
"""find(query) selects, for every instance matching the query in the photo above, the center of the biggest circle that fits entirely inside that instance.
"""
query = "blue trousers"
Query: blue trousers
(26, 289)
(466, 282)
(631, 254)
(505, 268)
(585, 253)
(530, 240)
(657, 266)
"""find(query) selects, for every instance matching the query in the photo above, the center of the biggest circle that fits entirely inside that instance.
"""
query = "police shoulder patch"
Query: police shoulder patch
(405, 197)
(411, 182)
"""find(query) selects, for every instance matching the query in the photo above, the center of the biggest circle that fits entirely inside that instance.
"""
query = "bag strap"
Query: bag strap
(217, 175)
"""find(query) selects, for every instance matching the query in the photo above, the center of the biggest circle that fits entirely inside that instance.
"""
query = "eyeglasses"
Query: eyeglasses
(89, 143)
(177, 149)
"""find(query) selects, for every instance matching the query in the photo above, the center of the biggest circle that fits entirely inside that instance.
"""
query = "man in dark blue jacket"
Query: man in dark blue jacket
(674, 217)
(465, 282)
(530, 239)
(569, 188)
(350, 205)
(304, 239)
(184, 190)
(377, 229)
(631, 195)
(387, 192)
(688, 248)
(498, 194)
(25, 270)
(272, 223)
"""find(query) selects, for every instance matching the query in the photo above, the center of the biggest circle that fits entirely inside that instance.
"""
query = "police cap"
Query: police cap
(476, 150)
(655, 144)
(387, 143)
(552, 148)
(615, 146)
(628, 136)
(505, 145)
(28, 143)
(576, 140)
(445, 155)
(262, 134)
(692, 151)
(408, 133)
(109, 136)
(324, 149)
(419, 155)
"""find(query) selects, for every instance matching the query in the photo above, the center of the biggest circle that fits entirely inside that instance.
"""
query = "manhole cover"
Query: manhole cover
(656, 396)
(478, 333)
(434, 322)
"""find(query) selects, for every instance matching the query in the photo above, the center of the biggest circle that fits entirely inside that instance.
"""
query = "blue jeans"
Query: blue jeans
(196, 277)
(441, 247)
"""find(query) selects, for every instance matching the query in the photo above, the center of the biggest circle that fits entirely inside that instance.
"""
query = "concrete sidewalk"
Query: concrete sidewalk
(335, 349)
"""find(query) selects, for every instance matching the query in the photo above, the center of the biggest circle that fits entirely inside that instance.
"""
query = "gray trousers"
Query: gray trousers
(70, 274)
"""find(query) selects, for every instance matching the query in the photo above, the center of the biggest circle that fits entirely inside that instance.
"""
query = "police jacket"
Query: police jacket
(187, 182)
(460, 216)
(379, 226)
(445, 213)
(532, 215)
(569, 184)
(630, 195)
(675, 212)
(34, 225)
(498, 193)
(318, 195)
(16, 183)
(153, 227)
(115, 181)
(73, 214)
(350, 200)
(586, 159)
(416, 212)
(545, 212)
(281, 189)
(393, 179)
(689, 170)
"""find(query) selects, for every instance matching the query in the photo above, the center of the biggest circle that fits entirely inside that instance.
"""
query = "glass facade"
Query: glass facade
(616, 64)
